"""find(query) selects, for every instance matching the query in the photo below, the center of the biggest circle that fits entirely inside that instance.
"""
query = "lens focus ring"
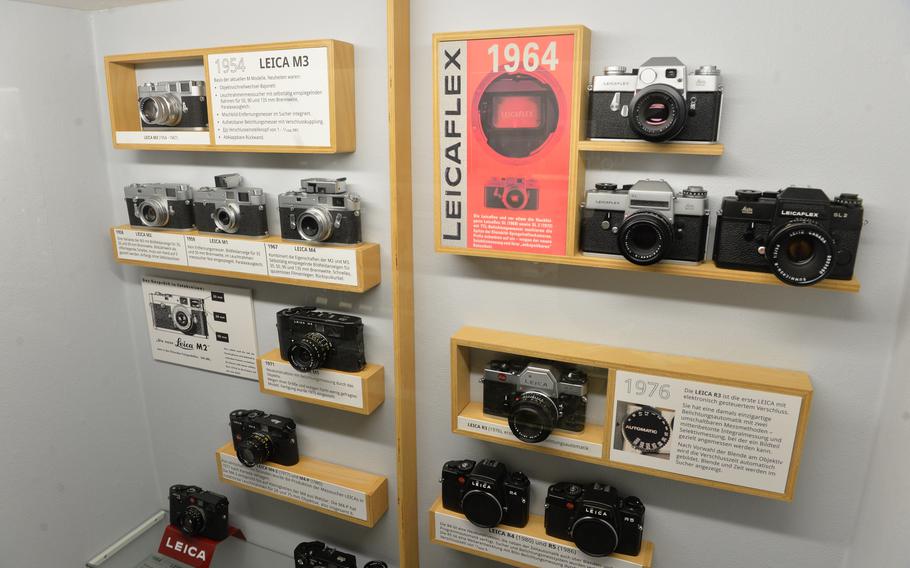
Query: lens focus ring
(314, 224)
(801, 253)
(255, 449)
(657, 113)
(533, 417)
(644, 237)
(165, 109)
(192, 521)
(310, 352)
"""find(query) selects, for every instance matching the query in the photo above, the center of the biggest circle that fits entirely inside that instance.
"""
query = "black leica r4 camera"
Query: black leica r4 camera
(159, 205)
(659, 101)
(173, 105)
(179, 313)
(518, 113)
(310, 339)
(486, 493)
(646, 430)
(798, 234)
(322, 210)
(512, 193)
(595, 518)
(199, 513)
(535, 397)
(317, 554)
(260, 437)
(229, 208)
(646, 222)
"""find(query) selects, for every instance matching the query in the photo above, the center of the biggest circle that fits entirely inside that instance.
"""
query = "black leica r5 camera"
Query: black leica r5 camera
(518, 113)
(595, 518)
(646, 222)
(317, 554)
(199, 513)
(486, 493)
(798, 234)
(159, 205)
(179, 313)
(172, 105)
(512, 193)
(260, 437)
(322, 210)
(229, 208)
(535, 397)
(310, 339)
(659, 101)
(646, 429)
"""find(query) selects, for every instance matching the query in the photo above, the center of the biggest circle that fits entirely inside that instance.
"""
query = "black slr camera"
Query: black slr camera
(159, 205)
(310, 339)
(595, 518)
(317, 554)
(512, 193)
(646, 222)
(486, 493)
(199, 513)
(798, 234)
(173, 105)
(260, 437)
(659, 101)
(229, 208)
(322, 211)
(535, 397)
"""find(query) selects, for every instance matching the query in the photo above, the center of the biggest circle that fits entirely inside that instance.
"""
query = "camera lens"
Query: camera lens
(192, 521)
(375, 564)
(657, 113)
(183, 320)
(801, 253)
(314, 224)
(646, 430)
(255, 449)
(515, 198)
(309, 352)
(533, 417)
(594, 536)
(161, 110)
(226, 219)
(481, 508)
(643, 237)
(153, 213)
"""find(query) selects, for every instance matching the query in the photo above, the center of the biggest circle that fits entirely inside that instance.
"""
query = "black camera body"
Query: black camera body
(260, 437)
(486, 493)
(199, 513)
(160, 205)
(595, 518)
(231, 209)
(317, 554)
(310, 339)
(181, 314)
(512, 193)
(798, 234)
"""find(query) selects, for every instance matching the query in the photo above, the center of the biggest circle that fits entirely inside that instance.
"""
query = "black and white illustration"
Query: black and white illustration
(179, 314)
(643, 429)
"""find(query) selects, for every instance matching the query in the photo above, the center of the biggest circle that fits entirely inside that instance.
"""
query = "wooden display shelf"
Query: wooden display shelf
(361, 392)
(644, 147)
(536, 548)
(692, 390)
(348, 494)
(173, 250)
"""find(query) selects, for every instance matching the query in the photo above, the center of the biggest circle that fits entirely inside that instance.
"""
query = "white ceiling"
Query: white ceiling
(89, 4)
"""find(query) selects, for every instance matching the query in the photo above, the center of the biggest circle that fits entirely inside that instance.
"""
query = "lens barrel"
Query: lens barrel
(644, 237)
(227, 218)
(800, 253)
(309, 352)
(192, 521)
(153, 213)
(314, 224)
(165, 109)
(255, 449)
(533, 417)
(657, 113)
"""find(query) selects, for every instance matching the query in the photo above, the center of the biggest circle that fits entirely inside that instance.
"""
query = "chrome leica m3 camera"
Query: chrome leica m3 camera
(322, 210)
(159, 205)
(229, 208)
(798, 234)
(512, 193)
(595, 518)
(179, 313)
(645, 429)
(173, 105)
(317, 554)
(310, 339)
(197, 512)
(486, 493)
(659, 101)
(260, 437)
(646, 222)
(536, 397)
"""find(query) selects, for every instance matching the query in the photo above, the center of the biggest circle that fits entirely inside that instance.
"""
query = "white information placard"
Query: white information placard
(296, 486)
(271, 98)
(150, 246)
(164, 137)
(554, 441)
(322, 384)
(206, 326)
(322, 264)
(235, 255)
(732, 435)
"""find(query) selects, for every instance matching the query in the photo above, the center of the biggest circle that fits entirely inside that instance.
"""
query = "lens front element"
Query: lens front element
(227, 218)
(801, 253)
(533, 417)
(657, 113)
(314, 224)
(255, 449)
(153, 213)
(192, 522)
(309, 352)
(644, 237)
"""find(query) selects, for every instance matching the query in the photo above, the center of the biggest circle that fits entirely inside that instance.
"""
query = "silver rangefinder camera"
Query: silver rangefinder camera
(322, 210)
(160, 205)
(173, 105)
(230, 208)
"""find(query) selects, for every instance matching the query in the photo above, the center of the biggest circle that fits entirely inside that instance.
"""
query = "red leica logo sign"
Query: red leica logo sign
(193, 551)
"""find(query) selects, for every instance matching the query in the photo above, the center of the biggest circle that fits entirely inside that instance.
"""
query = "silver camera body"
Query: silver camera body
(651, 195)
(170, 105)
(538, 377)
(230, 208)
(160, 205)
(322, 210)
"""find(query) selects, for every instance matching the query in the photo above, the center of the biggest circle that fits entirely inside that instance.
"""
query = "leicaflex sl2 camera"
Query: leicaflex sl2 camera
(646, 222)
(798, 234)
(317, 554)
(512, 193)
(159, 205)
(260, 437)
(659, 101)
(535, 397)
(310, 339)
(322, 210)
(229, 208)
(172, 105)
(645, 429)
(199, 513)
(486, 493)
(518, 113)
(595, 518)
(179, 313)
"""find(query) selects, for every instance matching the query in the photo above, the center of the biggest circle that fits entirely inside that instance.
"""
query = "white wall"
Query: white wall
(799, 108)
(77, 467)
